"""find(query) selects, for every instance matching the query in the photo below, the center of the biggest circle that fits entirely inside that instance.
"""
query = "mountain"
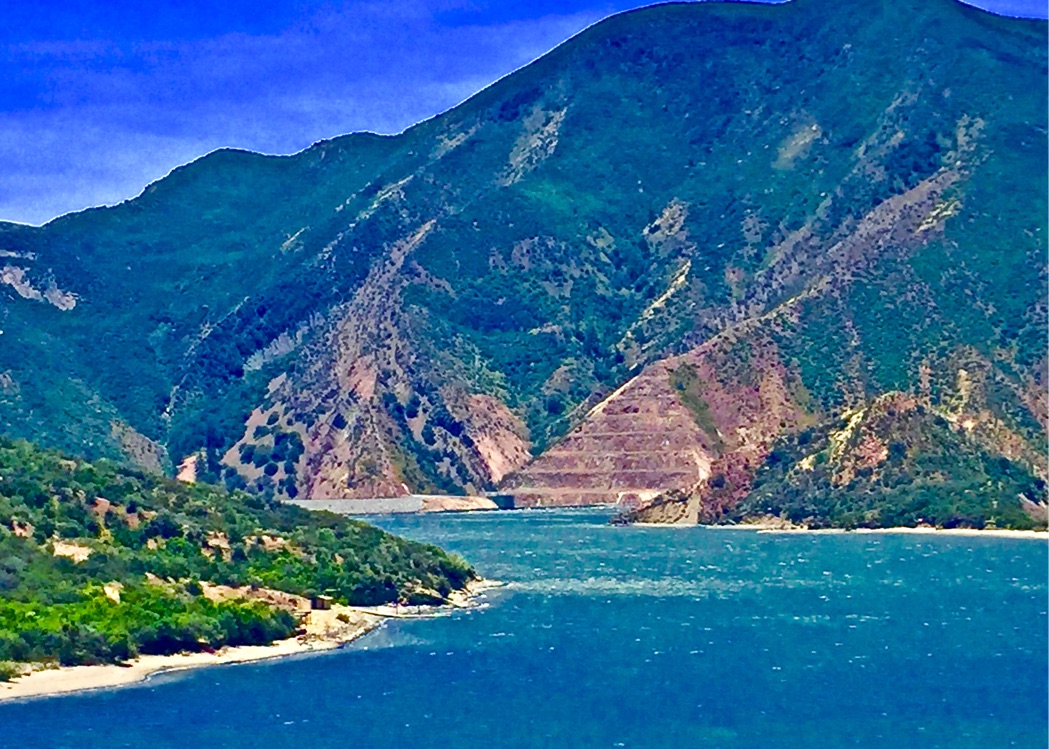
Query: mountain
(629, 268)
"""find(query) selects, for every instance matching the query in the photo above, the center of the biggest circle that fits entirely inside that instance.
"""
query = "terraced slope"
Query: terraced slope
(633, 446)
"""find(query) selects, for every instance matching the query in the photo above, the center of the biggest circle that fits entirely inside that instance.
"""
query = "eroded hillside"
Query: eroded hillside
(645, 258)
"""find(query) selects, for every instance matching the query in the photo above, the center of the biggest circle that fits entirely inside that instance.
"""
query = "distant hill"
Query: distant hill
(629, 268)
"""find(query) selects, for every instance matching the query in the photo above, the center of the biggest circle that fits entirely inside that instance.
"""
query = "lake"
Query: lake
(639, 638)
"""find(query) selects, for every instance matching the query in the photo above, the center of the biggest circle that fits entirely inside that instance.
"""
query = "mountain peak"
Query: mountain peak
(730, 221)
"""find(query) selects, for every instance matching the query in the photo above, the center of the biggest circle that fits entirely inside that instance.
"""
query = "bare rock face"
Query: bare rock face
(367, 417)
(671, 508)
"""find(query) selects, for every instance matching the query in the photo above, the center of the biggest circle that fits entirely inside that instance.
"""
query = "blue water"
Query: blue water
(638, 637)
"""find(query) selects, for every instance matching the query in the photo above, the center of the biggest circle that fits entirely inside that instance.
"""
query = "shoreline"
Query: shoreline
(325, 632)
(900, 530)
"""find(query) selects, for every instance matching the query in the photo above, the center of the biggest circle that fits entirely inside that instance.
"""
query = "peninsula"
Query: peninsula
(101, 564)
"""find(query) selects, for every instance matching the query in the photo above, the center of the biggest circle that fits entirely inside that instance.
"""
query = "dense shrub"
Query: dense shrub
(52, 608)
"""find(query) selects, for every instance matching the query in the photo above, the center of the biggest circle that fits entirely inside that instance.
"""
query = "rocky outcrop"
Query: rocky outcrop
(897, 460)
(674, 507)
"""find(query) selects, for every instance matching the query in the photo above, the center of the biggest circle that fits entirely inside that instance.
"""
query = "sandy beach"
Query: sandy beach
(1002, 532)
(787, 529)
(920, 531)
(324, 630)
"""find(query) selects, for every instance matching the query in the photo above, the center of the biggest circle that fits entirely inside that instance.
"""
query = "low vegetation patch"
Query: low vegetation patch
(689, 389)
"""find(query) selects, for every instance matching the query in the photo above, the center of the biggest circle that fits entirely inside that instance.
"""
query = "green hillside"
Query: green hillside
(160, 539)
(433, 309)
(897, 463)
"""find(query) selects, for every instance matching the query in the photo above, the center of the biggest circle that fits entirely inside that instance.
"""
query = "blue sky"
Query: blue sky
(100, 97)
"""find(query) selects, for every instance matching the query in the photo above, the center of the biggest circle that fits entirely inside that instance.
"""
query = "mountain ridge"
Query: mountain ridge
(498, 270)
(371, 133)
